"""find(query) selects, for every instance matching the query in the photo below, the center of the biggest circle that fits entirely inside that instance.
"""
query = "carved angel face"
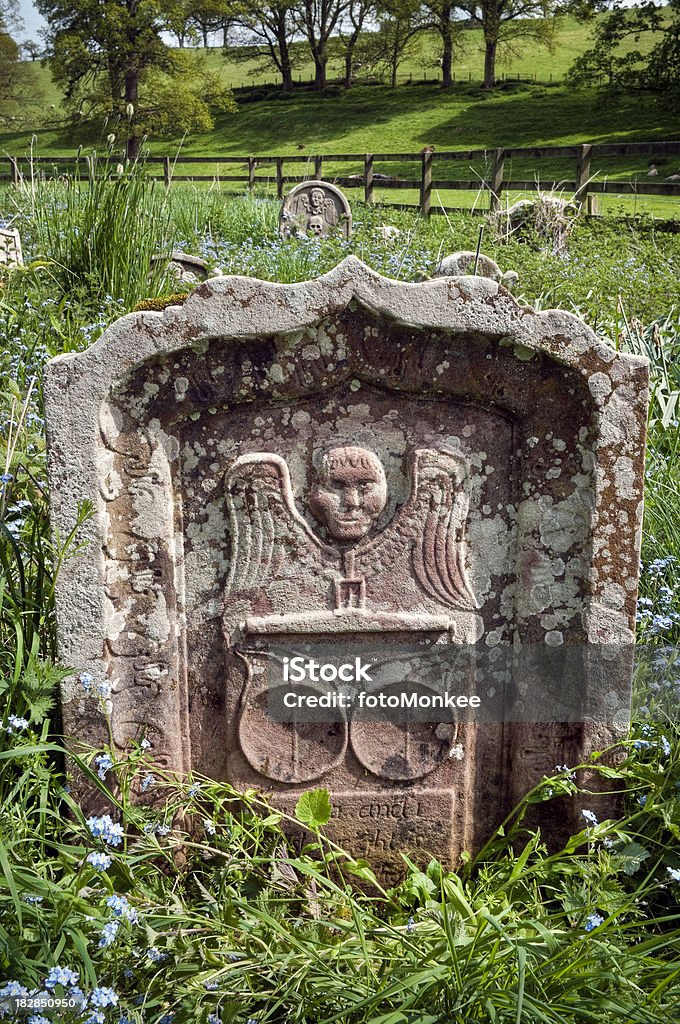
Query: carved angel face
(316, 197)
(350, 492)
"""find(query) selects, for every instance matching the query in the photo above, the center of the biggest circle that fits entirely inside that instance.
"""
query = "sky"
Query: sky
(32, 21)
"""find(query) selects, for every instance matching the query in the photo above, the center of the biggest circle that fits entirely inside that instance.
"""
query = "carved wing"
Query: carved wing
(330, 212)
(267, 532)
(431, 526)
(438, 509)
(300, 206)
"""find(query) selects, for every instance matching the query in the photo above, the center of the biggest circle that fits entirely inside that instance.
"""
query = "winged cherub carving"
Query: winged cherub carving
(412, 567)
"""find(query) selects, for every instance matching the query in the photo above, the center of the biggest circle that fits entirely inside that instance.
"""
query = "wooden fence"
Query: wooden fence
(584, 187)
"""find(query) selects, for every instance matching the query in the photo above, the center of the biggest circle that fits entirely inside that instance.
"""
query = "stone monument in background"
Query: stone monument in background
(315, 209)
(350, 464)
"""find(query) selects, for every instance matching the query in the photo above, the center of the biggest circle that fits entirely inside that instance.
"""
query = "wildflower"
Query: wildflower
(210, 986)
(213, 1019)
(209, 827)
(194, 789)
(86, 681)
(15, 724)
(665, 746)
(37, 1018)
(593, 921)
(103, 689)
(147, 782)
(108, 935)
(32, 899)
(103, 997)
(154, 954)
(61, 976)
(13, 988)
(121, 907)
(6, 478)
(105, 762)
(674, 873)
(411, 926)
(163, 830)
(99, 861)
(96, 1018)
(145, 744)
(78, 995)
(590, 817)
(104, 828)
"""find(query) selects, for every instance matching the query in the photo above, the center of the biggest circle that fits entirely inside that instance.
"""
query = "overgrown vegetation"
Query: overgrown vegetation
(196, 909)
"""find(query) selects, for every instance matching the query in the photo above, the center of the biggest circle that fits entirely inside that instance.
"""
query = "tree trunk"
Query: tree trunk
(447, 47)
(348, 69)
(319, 73)
(204, 30)
(489, 63)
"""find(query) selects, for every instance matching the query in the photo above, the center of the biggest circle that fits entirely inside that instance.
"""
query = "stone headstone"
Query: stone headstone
(358, 467)
(187, 269)
(315, 208)
(10, 248)
(460, 264)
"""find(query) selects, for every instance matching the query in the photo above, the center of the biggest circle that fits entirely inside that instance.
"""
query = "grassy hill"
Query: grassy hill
(379, 119)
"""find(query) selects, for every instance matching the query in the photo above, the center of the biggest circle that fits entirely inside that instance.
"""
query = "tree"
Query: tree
(318, 21)
(32, 49)
(613, 61)
(439, 16)
(274, 26)
(111, 53)
(12, 75)
(510, 22)
(358, 13)
(398, 25)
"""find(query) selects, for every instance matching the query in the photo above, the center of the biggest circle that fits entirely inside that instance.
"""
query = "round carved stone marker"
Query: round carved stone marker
(315, 208)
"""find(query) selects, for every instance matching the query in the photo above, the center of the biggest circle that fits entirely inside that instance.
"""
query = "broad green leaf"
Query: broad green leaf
(314, 808)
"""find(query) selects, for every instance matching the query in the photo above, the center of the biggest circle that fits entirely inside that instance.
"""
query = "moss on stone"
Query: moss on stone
(161, 302)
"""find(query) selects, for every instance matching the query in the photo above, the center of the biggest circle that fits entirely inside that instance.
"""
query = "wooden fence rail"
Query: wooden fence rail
(584, 187)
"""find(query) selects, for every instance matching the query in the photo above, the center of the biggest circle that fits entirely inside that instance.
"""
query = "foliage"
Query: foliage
(612, 62)
(111, 57)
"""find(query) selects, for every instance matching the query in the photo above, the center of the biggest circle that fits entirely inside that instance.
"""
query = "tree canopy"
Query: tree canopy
(110, 56)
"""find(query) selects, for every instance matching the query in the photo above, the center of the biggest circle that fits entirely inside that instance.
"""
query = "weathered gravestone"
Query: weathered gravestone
(317, 209)
(348, 466)
(10, 248)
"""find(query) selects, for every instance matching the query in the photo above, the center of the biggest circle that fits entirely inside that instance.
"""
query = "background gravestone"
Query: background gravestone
(316, 209)
(358, 458)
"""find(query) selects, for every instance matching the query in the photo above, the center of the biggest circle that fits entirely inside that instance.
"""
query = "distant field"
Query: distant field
(380, 119)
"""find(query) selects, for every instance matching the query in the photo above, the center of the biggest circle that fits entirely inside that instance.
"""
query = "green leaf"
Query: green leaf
(631, 857)
(314, 808)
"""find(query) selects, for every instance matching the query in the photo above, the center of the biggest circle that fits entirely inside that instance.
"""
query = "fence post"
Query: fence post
(279, 177)
(318, 167)
(426, 183)
(582, 174)
(166, 171)
(592, 205)
(251, 172)
(368, 178)
(496, 180)
(14, 170)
